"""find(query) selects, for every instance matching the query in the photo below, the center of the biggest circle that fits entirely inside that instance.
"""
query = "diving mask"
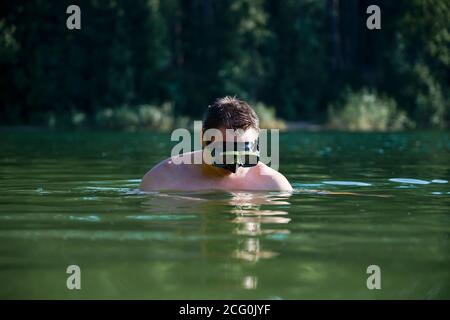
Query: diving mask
(232, 155)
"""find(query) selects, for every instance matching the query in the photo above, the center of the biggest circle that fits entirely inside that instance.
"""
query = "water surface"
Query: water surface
(70, 198)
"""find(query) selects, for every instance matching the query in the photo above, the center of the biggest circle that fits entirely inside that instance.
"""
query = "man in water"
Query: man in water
(235, 164)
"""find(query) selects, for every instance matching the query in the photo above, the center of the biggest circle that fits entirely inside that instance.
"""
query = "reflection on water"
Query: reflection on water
(250, 282)
(73, 199)
(252, 222)
(254, 214)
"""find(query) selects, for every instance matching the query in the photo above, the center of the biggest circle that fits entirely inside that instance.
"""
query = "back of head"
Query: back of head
(230, 113)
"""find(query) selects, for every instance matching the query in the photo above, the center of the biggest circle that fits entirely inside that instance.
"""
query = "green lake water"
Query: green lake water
(70, 199)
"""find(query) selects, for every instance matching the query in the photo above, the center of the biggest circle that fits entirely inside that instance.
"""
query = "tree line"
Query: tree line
(298, 56)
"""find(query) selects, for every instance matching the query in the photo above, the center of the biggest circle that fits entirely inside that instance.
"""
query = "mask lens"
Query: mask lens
(250, 160)
(225, 154)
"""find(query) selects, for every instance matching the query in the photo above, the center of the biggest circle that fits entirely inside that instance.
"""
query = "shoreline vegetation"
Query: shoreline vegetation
(361, 111)
(364, 110)
(160, 118)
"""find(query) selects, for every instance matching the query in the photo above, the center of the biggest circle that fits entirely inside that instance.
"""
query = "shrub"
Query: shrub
(144, 117)
(431, 101)
(367, 111)
(156, 118)
(267, 117)
(71, 119)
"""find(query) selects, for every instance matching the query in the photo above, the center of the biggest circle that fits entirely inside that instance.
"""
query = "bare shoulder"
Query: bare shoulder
(272, 179)
(159, 177)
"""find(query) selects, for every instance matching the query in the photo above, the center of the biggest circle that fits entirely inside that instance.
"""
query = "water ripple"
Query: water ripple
(410, 181)
(347, 183)
(439, 181)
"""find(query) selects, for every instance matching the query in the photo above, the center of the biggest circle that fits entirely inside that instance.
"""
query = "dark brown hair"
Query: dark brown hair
(230, 113)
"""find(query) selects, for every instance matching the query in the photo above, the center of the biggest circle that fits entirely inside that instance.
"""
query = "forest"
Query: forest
(156, 64)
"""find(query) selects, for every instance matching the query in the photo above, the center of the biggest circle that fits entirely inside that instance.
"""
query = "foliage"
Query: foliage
(295, 55)
(145, 117)
(267, 117)
(367, 111)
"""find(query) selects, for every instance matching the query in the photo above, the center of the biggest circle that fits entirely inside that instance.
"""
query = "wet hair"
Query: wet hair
(230, 113)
